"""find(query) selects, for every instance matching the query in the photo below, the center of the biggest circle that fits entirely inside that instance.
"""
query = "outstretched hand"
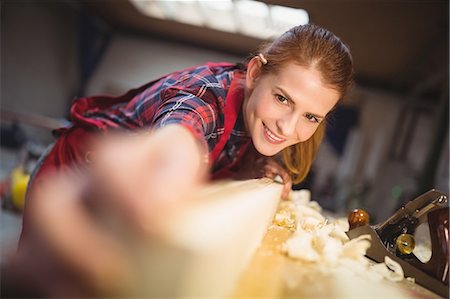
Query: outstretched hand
(149, 174)
(87, 224)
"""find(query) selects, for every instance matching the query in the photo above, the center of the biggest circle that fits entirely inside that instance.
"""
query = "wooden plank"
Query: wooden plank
(205, 248)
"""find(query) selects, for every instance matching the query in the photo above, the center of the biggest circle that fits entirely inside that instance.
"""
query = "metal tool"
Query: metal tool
(431, 206)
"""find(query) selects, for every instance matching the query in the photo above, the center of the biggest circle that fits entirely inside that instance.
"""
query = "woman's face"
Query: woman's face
(285, 108)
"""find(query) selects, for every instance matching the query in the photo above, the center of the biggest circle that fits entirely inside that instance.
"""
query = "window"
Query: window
(248, 17)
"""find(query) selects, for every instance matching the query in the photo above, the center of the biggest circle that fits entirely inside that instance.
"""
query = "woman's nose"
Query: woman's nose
(287, 125)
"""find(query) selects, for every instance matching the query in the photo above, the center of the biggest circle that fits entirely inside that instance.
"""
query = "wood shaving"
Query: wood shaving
(395, 268)
(324, 245)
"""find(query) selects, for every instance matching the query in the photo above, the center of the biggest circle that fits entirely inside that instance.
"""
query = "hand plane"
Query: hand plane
(395, 238)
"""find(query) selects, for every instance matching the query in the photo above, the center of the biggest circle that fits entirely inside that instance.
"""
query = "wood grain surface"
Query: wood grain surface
(272, 274)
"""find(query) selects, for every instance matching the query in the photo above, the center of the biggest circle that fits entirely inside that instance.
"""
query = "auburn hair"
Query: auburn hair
(314, 47)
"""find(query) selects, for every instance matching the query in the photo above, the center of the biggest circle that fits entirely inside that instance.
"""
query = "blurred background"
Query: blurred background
(385, 145)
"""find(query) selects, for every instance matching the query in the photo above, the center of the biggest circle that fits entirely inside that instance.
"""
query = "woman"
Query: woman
(223, 120)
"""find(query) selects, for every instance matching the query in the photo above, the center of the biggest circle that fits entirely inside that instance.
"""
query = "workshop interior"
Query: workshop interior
(386, 144)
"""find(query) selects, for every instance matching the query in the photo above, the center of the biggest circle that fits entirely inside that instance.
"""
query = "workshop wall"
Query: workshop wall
(38, 57)
(383, 161)
(131, 61)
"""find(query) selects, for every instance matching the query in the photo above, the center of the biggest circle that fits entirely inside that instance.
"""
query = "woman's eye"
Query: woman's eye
(311, 118)
(281, 99)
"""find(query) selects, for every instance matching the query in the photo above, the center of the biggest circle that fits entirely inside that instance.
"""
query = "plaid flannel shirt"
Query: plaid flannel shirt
(194, 98)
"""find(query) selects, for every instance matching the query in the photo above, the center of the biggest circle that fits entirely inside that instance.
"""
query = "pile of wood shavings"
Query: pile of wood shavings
(324, 252)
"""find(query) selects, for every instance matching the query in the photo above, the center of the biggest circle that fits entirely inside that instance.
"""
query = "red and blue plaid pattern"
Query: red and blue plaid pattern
(194, 98)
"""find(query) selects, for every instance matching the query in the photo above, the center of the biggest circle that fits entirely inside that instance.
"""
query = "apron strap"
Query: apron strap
(233, 103)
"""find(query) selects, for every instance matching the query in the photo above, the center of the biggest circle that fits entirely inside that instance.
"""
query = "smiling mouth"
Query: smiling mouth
(271, 137)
